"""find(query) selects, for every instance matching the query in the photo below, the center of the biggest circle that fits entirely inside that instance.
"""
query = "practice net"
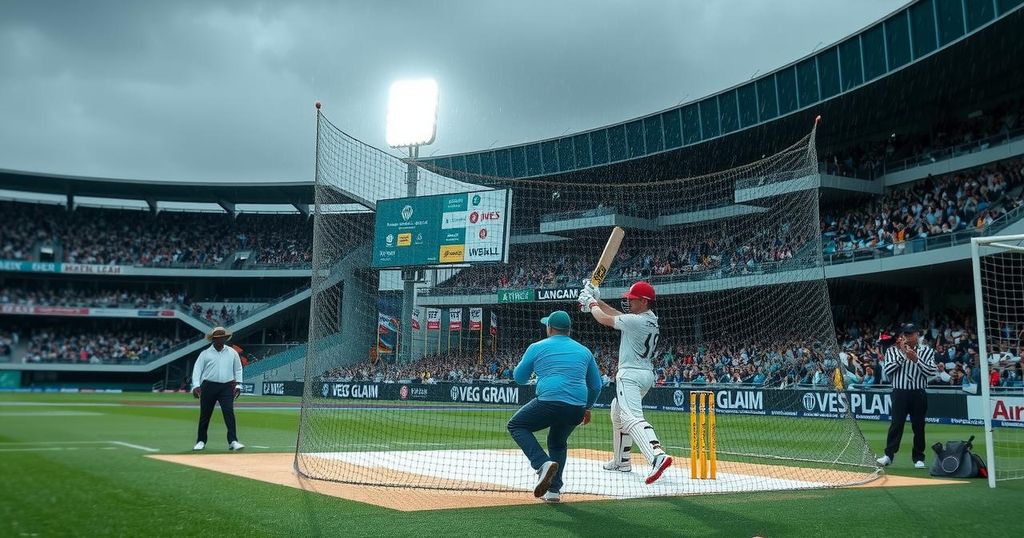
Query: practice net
(735, 257)
(999, 298)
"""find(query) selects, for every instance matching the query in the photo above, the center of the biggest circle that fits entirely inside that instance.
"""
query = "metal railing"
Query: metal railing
(924, 244)
(929, 157)
(951, 152)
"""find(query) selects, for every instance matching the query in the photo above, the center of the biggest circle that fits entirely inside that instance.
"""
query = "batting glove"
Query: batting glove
(589, 286)
(586, 300)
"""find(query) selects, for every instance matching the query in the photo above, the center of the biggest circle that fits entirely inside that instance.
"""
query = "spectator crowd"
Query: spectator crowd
(62, 344)
(778, 364)
(180, 239)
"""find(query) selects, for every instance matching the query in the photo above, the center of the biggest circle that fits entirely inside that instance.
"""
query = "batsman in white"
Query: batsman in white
(635, 375)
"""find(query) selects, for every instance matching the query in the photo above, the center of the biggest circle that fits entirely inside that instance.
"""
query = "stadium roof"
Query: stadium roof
(225, 193)
(963, 52)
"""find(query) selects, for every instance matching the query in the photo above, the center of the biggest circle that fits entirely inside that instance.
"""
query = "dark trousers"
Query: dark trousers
(210, 395)
(559, 418)
(914, 403)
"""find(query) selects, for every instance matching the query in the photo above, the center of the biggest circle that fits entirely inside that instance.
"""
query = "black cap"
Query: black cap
(908, 328)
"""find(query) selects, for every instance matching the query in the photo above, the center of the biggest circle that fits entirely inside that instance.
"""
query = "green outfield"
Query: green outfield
(74, 464)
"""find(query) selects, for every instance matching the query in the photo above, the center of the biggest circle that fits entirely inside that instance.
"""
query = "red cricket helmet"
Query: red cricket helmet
(640, 290)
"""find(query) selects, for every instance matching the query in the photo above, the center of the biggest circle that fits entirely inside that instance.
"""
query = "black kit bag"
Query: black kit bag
(956, 460)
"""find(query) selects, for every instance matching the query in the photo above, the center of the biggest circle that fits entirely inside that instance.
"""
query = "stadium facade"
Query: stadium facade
(932, 93)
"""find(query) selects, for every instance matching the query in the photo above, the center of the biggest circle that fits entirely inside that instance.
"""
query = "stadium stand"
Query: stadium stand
(105, 236)
(74, 345)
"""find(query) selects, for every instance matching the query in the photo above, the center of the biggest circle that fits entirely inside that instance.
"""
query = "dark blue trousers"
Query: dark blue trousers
(559, 418)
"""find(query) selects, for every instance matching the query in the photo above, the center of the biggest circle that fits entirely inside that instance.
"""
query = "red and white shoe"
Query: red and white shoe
(661, 462)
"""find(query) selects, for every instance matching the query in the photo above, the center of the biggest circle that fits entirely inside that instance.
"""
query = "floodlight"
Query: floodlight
(412, 113)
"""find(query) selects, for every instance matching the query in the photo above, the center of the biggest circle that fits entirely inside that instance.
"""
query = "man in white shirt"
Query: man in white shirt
(635, 376)
(215, 378)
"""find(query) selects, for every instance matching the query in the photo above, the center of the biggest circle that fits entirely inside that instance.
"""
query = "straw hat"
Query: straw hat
(217, 332)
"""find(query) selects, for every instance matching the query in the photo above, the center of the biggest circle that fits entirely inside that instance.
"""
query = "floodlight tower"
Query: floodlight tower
(411, 123)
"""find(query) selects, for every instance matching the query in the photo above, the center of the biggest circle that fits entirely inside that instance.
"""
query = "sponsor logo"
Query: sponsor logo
(490, 215)
(557, 294)
(515, 296)
(403, 393)
(419, 238)
(841, 403)
(808, 400)
(469, 393)
(348, 390)
(1002, 411)
(274, 388)
(747, 400)
(404, 240)
(476, 199)
(95, 269)
(407, 212)
(482, 252)
(16, 309)
(483, 233)
(453, 220)
(474, 217)
(678, 398)
(452, 253)
(390, 239)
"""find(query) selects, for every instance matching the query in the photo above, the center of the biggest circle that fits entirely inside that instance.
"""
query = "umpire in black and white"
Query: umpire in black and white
(908, 365)
(215, 379)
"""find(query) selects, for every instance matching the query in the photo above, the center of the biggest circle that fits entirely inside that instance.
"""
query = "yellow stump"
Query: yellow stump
(693, 435)
(712, 455)
(701, 447)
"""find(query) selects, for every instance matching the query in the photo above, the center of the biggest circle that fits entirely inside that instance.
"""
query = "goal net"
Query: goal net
(735, 257)
(999, 300)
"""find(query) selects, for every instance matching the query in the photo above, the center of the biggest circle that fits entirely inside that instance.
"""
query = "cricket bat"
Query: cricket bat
(611, 248)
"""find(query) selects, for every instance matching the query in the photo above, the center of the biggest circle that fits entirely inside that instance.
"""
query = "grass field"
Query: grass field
(74, 464)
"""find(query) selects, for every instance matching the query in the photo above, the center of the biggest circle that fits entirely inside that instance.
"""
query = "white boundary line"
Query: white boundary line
(137, 447)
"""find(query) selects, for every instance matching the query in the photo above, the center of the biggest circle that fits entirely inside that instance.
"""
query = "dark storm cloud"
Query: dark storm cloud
(223, 90)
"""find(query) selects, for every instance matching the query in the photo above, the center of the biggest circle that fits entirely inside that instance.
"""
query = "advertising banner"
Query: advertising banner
(556, 294)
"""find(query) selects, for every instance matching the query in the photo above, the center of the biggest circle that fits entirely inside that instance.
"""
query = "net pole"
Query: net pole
(986, 402)
(409, 276)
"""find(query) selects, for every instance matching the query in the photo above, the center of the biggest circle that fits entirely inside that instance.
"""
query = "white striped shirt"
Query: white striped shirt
(907, 374)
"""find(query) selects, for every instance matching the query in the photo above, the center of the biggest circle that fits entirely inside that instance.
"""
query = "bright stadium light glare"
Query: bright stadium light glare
(412, 113)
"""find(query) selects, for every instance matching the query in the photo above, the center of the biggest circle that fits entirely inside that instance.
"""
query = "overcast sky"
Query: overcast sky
(223, 90)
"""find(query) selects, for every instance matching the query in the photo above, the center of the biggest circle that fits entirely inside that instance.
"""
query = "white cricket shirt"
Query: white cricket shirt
(639, 340)
(218, 366)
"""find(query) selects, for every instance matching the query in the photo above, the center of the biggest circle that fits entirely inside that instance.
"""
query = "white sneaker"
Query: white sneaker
(235, 445)
(613, 465)
(919, 465)
(884, 461)
(661, 462)
(199, 446)
(552, 497)
(544, 477)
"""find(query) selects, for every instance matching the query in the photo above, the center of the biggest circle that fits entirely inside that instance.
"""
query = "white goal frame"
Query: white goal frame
(1000, 242)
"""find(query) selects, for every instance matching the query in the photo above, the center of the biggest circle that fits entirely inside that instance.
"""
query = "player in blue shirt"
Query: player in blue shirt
(568, 384)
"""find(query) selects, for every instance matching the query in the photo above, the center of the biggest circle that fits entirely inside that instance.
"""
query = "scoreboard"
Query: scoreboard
(445, 229)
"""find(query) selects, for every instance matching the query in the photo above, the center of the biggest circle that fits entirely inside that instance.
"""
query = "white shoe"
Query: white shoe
(235, 445)
(613, 465)
(552, 497)
(661, 462)
(199, 446)
(919, 465)
(544, 477)
(884, 461)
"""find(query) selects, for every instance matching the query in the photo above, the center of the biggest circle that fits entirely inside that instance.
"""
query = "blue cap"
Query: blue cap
(559, 319)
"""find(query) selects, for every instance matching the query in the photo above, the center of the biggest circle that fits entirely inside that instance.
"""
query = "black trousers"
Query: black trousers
(904, 402)
(210, 395)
